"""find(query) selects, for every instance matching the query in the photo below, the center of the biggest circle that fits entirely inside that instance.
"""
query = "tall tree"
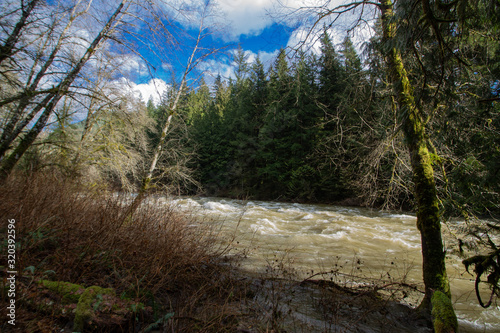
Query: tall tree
(239, 120)
(350, 58)
(212, 141)
(332, 100)
(428, 217)
(330, 75)
(274, 140)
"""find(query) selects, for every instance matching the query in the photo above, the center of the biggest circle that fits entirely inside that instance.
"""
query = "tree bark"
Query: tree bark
(428, 217)
(13, 128)
(15, 125)
(7, 49)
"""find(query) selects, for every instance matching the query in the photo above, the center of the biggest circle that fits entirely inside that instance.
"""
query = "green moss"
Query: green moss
(443, 315)
(84, 310)
(91, 302)
(69, 292)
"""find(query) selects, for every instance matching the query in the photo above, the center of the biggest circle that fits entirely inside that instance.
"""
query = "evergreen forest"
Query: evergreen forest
(315, 126)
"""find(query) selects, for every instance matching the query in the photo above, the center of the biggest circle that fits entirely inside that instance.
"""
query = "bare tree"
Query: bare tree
(44, 85)
(8, 48)
(108, 147)
(109, 144)
(198, 54)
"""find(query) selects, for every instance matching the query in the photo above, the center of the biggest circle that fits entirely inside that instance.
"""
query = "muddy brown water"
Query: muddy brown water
(379, 245)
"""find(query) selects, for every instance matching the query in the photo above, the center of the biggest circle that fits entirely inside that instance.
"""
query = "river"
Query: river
(356, 241)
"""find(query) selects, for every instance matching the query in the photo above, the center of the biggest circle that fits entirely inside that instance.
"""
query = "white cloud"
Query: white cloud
(166, 67)
(131, 64)
(251, 17)
(362, 34)
(212, 68)
(154, 89)
(305, 40)
(246, 17)
(358, 24)
(267, 58)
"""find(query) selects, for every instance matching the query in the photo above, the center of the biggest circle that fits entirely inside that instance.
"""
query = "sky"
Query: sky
(258, 27)
(150, 52)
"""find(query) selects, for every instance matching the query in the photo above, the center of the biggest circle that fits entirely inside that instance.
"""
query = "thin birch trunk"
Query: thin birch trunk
(13, 128)
(8, 49)
(148, 178)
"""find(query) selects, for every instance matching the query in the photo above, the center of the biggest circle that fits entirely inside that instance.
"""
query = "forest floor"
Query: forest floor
(85, 265)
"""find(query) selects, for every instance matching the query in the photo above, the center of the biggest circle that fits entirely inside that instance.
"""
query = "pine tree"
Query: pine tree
(211, 141)
(274, 141)
(330, 75)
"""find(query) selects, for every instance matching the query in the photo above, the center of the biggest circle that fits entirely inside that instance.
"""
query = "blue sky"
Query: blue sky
(269, 40)
(237, 23)
(259, 27)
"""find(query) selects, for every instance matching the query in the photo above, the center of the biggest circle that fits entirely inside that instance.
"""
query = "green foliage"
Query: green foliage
(315, 127)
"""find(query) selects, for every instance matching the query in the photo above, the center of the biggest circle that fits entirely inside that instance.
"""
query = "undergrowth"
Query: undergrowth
(68, 232)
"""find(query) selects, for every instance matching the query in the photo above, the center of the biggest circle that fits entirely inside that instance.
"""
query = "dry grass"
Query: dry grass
(84, 236)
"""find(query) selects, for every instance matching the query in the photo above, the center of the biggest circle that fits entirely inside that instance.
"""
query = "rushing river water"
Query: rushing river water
(362, 242)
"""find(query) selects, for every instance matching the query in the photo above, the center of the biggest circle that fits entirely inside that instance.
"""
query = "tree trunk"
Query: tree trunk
(13, 128)
(428, 217)
(8, 48)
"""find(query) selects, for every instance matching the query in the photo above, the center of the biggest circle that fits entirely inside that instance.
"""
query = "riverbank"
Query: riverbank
(253, 305)
(82, 264)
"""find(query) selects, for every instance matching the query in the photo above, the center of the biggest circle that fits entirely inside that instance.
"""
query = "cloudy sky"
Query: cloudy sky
(259, 27)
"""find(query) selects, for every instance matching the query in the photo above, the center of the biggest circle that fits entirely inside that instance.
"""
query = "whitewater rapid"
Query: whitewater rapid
(359, 241)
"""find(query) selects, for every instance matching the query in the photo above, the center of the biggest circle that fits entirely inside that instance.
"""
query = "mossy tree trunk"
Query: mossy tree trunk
(428, 217)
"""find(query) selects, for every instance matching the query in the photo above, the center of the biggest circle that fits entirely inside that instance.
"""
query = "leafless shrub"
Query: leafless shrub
(157, 255)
